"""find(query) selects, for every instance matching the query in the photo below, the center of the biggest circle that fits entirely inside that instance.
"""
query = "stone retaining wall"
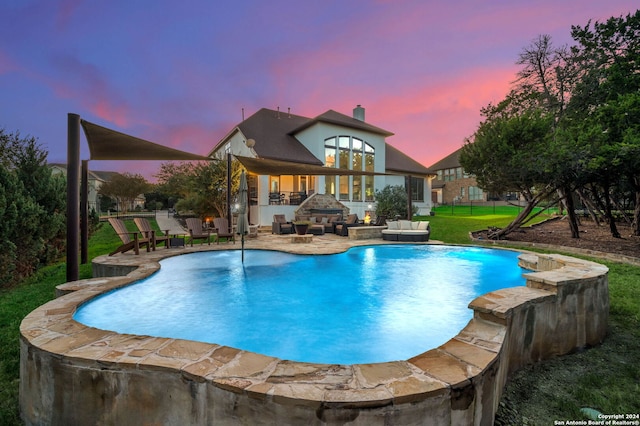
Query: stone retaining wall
(73, 374)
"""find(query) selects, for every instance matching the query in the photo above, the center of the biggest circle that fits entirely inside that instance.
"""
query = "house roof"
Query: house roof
(451, 161)
(397, 161)
(334, 117)
(93, 174)
(276, 132)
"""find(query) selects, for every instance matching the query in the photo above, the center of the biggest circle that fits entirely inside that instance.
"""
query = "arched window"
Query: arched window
(349, 153)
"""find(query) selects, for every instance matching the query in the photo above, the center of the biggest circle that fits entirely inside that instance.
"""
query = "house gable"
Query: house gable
(273, 133)
(334, 117)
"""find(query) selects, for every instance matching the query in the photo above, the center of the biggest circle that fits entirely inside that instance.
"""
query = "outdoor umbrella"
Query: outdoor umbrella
(243, 219)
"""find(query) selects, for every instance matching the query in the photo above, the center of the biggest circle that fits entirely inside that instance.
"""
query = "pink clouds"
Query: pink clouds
(180, 76)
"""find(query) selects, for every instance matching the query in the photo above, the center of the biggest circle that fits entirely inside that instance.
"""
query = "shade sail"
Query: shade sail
(107, 144)
(265, 166)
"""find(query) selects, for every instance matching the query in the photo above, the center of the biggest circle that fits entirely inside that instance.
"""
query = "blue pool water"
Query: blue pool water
(370, 304)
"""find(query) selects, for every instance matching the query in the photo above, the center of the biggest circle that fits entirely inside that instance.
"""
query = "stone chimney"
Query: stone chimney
(358, 113)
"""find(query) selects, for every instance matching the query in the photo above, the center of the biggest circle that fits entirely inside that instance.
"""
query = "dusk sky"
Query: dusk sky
(180, 73)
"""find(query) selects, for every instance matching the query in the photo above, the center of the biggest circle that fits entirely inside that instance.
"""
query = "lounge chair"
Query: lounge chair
(194, 225)
(145, 229)
(130, 240)
(342, 228)
(222, 229)
(280, 225)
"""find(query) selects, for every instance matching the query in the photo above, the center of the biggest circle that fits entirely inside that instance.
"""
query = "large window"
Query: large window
(349, 153)
(451, 174)
(369, 166)
(330, 161)
(417, 189)
(475, 193)
(344, 151)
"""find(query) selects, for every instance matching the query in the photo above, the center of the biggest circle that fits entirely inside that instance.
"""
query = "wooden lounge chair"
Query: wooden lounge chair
(222, 230)
(342, 228)
(130, 240)
(194, 225)
(145, 229)
(280, 225)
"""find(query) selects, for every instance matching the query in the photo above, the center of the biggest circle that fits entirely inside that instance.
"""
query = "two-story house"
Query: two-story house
(355, 155)
(452, 184)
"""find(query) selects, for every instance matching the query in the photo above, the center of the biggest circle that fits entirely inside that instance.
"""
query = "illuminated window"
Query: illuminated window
(349, 153)
(330, 161)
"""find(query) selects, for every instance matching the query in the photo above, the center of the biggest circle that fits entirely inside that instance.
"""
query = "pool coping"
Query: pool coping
(461, 379)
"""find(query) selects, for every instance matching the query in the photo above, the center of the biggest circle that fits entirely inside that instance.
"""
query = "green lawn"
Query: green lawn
(606, 378)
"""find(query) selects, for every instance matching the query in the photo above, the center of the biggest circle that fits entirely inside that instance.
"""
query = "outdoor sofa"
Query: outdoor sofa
(406, 230)
(327, 220)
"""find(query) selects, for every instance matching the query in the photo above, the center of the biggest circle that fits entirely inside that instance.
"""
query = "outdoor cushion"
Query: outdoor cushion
(423, 225)
(405, 225)
(393, 226)
(324, 220)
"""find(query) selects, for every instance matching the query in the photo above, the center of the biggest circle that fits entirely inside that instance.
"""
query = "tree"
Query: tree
(604, 111)
(9, 191)
(201, 187)
(508, 154)
(125, 188)
(391, 201)
(569, 124)
(547, 78)
(32, 206)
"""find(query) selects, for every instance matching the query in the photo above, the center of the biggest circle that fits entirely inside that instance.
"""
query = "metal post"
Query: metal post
(73, 195)
(84, 213)
(409, 203)
(229, 223)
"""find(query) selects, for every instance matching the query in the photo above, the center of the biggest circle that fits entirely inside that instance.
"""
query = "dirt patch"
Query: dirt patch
(592, 237)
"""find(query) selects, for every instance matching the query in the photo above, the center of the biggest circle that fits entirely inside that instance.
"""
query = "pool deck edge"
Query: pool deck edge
(460, 381)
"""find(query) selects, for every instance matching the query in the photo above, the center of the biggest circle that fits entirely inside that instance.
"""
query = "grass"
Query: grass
(606, 378)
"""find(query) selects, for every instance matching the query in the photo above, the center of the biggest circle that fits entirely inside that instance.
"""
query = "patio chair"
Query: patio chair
(342, 228)
(280, 225)
(196, 232)
(222, 230)
(130, 240)
(145, 229)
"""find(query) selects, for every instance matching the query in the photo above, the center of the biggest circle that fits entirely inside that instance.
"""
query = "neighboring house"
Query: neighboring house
(333, 140)
(95, 179)
(452, 184)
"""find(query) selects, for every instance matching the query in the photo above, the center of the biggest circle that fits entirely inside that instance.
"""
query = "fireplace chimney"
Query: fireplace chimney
(358, 113)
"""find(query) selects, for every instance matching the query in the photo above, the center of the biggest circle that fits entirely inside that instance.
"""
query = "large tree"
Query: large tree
(124, 188)
(508, 153)
(201, 187)
(32, 206)
(604, 110)
(572, 115)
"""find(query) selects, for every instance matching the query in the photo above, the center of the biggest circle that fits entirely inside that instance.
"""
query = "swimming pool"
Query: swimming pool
(370, 304)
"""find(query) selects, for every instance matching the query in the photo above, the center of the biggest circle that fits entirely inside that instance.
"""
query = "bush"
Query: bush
(391, 201)
(32, 208)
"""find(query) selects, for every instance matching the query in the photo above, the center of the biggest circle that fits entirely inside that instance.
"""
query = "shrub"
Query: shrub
(391, 201)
